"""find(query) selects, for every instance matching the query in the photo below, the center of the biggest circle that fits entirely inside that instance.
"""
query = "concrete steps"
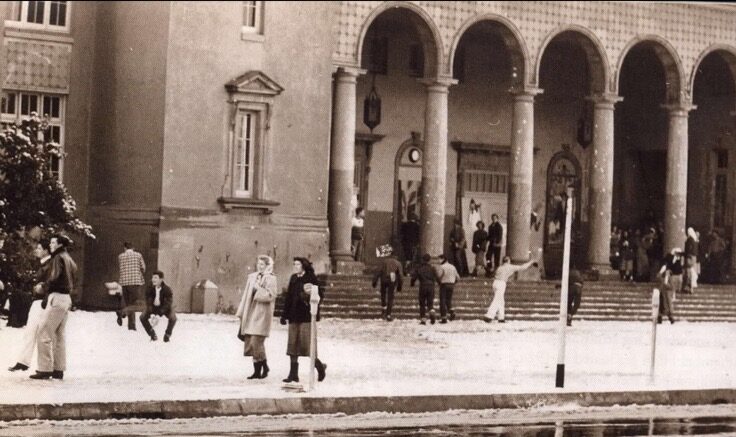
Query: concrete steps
(353, 297)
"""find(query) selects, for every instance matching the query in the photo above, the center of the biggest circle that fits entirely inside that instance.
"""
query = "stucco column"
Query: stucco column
(601, 182)
(521, 171)
(675, 206)
(342, 165)
(434, 167)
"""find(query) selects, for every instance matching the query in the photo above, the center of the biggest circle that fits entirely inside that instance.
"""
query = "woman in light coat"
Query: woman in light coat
(256, 313)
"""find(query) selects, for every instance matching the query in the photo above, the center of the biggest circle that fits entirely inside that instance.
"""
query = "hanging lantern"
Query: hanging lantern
(585, 129)
(372, 108)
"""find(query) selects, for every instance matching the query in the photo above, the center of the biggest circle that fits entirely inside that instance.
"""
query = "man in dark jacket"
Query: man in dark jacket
(575, 293)
(480, 241)
(427, 275)
(495, 239)
(58, 285)
(390, 277)
(159, 301)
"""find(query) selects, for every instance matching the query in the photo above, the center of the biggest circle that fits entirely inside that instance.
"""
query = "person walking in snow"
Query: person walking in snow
(297, 313)
(427, 276)
(256, 312)
(671, 273)
(390, 277)
(500, 278)
(58, 285)
(30, 333)
(132, 268)
(448, 277)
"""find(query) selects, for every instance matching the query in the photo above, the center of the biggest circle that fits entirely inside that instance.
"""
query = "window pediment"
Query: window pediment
(254, 82)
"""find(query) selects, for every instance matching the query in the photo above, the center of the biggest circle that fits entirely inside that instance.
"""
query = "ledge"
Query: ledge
(462, 146)
(265, 206)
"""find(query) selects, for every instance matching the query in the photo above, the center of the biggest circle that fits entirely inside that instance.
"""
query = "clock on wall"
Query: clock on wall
(414, 155)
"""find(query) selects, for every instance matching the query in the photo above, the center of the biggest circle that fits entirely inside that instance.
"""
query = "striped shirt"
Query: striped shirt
(132, 268)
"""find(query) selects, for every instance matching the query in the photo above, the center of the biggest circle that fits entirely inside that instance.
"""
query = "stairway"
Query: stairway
(352, 297)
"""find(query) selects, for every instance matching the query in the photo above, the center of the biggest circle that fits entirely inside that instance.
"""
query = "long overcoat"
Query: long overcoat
(258, 304)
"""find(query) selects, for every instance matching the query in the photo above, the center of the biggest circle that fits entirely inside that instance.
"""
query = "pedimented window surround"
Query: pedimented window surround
(251, 100)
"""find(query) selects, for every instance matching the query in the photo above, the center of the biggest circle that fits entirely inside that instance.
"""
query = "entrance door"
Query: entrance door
(407, 194)
(563, 173)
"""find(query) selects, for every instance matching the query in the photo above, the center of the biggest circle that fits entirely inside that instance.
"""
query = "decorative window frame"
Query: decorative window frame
(253, 92)
(46, 26)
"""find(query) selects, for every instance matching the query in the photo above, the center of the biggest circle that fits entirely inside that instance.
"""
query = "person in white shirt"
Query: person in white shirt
(448, 278)
(357, 234)
(159, 301)
(500, 278)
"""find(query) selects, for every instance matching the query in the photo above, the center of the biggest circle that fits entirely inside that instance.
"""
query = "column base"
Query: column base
(343, 266)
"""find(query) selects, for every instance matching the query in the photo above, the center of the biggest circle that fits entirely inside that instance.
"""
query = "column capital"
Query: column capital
(525, 93)
(679, 109)
(604, 100)
(347, 73)
(441, 84)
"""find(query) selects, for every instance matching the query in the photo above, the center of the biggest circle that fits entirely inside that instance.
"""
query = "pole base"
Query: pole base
(560, 377)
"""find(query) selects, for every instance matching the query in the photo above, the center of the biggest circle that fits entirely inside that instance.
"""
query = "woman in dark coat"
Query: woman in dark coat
(296, 311)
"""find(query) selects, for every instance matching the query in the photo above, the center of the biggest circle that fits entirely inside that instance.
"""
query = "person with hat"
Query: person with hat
(390, 275)
(58, 285)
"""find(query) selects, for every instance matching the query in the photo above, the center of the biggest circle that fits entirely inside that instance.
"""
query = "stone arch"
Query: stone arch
(667, 55)
(729, 55)
(427, 29)
(512, 38)
(594, 52)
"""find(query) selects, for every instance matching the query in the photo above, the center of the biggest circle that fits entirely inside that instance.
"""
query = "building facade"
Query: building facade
(206, 133)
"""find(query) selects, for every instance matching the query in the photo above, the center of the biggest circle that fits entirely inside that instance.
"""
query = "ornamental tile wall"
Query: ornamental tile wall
(37, 65)
(687, 30)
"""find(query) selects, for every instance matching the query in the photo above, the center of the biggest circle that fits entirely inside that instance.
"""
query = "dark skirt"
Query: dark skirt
(298, 343)
(254, 347)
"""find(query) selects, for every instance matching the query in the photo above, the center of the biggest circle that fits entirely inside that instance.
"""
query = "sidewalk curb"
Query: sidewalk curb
(355, 405)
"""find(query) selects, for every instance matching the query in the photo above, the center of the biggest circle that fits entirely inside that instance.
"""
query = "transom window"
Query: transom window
(49, 15)
(17, 106)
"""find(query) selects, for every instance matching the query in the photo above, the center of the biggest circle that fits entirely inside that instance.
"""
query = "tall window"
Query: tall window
(246, 146)
(19, 105)
(49, 15)
(253, 17)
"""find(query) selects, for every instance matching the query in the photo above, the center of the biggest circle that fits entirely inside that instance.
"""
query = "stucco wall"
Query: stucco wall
(195, 164)
(128, 110)
(126, 135)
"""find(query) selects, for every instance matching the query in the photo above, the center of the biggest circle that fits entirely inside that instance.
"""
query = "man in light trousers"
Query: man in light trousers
(58, 285)
(500, 278)
(36, 313)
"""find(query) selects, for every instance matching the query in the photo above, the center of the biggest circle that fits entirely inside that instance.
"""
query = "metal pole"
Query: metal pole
(560, 376)
(655, 316)
(313, 306)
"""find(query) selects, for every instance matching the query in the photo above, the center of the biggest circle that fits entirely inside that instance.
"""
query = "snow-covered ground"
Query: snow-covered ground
(204, 360)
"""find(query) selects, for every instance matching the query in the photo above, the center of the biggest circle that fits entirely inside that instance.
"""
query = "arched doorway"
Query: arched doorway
(711, 205)
(407, 192)
(563, 173)
(648, 79)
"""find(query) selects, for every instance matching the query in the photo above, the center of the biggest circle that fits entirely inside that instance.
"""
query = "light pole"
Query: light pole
(560, 375)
